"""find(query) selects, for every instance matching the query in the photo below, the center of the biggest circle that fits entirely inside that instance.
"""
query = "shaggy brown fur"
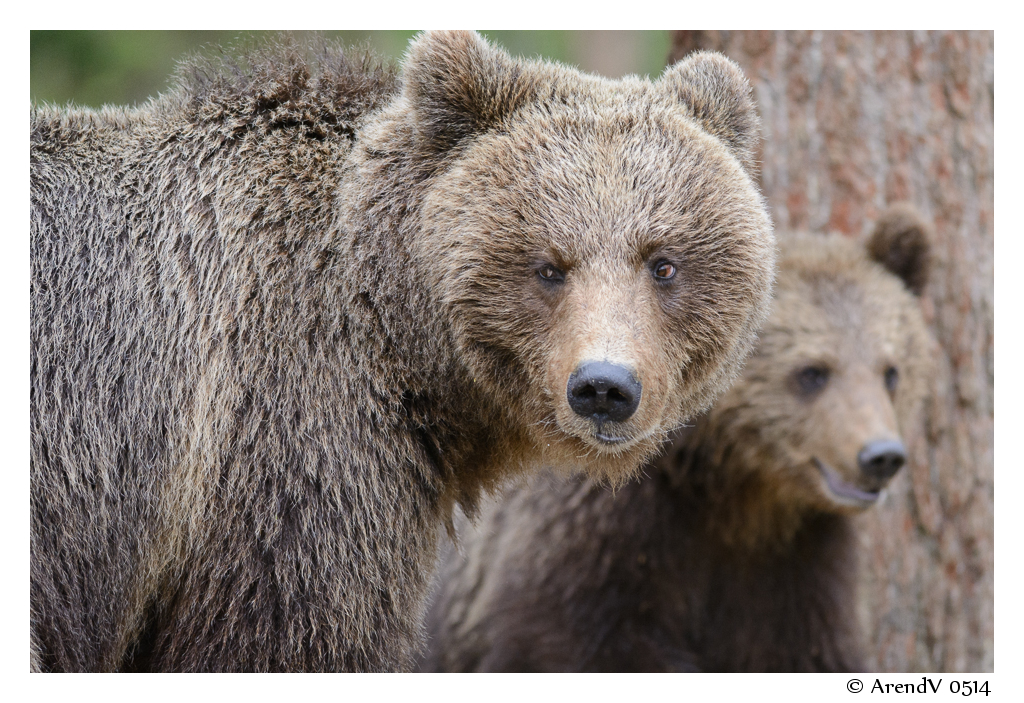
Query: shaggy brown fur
(736, 553)
(288, 315)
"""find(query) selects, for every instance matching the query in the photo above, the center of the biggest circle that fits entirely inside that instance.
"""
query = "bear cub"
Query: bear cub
(289, 314)
(736, 551)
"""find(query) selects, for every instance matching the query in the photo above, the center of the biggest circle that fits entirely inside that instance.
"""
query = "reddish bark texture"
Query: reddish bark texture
(853, 121)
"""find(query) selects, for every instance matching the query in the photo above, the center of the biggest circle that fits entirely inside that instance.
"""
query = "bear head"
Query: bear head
(602, 250)
(840, 372)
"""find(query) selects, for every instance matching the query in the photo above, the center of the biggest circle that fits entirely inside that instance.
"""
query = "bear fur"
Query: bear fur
(287, 316)
(737, 551)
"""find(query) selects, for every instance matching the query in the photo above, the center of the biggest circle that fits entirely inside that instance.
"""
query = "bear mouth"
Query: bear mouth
(607, 436)
(846, 492)
(610, 439)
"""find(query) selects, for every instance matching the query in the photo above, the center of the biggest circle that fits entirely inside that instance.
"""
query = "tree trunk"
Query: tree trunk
(853, 121)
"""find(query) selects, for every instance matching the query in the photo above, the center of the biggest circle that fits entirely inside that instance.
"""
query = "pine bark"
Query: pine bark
(853, 121)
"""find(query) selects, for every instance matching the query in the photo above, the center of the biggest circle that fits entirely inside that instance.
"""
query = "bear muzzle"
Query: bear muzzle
(879, 460)
(603, 392)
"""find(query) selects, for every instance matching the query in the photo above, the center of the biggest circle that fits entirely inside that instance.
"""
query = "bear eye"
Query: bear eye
(811, 379)
(550, 274)
(664, 270)
(892, 378)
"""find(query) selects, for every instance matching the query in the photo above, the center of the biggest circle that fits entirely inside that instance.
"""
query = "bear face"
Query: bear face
(841, 364)
(609, 284)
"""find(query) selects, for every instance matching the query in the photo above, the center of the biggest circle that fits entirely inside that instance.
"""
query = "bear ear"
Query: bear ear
(718, 96)
(901, 243)
(459, 85)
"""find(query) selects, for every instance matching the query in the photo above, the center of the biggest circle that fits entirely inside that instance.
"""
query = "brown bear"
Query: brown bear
(736, 552)
(288, 315)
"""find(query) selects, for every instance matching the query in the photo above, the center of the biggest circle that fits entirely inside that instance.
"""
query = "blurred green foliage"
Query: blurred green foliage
(94, 68)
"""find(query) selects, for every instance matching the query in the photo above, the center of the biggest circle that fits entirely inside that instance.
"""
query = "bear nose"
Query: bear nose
(881, 459)
(603, 391)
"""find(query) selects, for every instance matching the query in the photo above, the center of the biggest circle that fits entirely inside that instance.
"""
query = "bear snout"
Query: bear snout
(603, 391)
(881, 459)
